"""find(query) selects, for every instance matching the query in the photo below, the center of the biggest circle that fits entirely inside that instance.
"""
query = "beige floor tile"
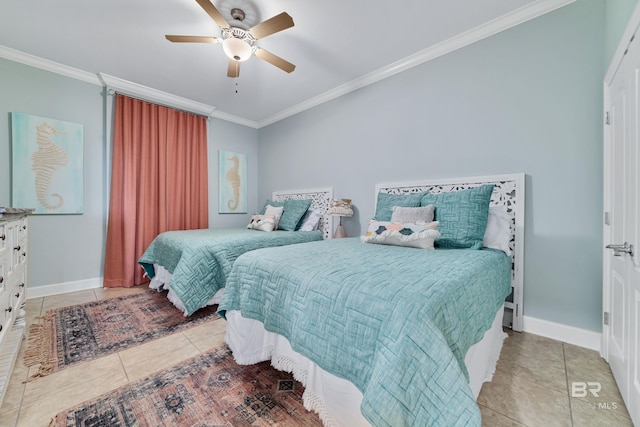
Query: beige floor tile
(598, 414)
(104, 293)
(207, 336)
(534, 358)
(604, 385)
(155, 363)
(40, 412)
(33, 306)
(73, 377)
(525, 401)
(151, 349)
(585, 357)
(9, 418)
(491, 418)
(71, 298)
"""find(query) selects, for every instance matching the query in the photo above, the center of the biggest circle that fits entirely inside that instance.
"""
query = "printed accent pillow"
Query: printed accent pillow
(387, 201)
(403, 215)
(262, 223)
(413, 235)
(462, 216)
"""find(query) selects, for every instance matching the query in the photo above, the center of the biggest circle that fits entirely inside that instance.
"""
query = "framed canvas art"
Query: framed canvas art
(232, 182)
(47, 164)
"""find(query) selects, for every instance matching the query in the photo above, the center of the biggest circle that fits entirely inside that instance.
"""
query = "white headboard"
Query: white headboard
(321, 198)
(508, 192)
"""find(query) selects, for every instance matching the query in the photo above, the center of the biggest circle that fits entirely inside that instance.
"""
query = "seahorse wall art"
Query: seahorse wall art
(233, 178)
(45, 162)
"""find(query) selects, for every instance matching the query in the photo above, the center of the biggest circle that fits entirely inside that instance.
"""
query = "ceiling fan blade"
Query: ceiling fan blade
(192, 39)
(272, 25)
(275, 60)
(233, 69)
(213, 13)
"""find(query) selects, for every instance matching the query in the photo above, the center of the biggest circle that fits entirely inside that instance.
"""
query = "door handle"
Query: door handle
(619, 250)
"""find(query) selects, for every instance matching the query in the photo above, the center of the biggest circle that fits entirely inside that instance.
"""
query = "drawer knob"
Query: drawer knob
(22, 285)
(10, 309)
(17, 248)
(1, 279)
(18, 295)
(3, 237)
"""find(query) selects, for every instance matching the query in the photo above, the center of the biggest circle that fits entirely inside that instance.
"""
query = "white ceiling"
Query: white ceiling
(335, 45)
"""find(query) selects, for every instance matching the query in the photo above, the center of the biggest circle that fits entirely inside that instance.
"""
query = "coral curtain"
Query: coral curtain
(159, 182)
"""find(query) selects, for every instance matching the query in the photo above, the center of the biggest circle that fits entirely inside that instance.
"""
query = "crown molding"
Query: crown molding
(519, 16)
(45, 64)
(149, 94)
(234, 119)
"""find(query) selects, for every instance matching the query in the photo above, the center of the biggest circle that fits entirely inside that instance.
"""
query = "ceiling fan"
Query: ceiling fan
(239, 43)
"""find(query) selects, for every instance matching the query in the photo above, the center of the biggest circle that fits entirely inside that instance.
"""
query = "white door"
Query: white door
(621, 336)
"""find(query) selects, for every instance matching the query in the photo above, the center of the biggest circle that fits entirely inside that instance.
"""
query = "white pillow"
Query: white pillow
(262, 223)
(413, 235)
(404, 215)
(498, 232)
(310, 220)
(274, 211)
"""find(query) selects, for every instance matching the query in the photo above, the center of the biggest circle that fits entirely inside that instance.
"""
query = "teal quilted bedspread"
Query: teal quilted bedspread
(395, 321)
(200, 260)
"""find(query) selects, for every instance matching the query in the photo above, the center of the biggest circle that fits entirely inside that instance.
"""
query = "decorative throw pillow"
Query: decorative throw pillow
(498, 232)
(275, 212)
(412, 235)
(387, 201)
(294, 210)
(462, 216)
(310, 220)
(416, 215)
(262, 223)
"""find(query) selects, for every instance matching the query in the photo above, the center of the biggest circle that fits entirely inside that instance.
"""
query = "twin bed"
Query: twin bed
(382, 334)
(385, 334)
(193, 265)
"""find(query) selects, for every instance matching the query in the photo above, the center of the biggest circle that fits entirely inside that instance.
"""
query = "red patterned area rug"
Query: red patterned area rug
(209, 390)
(70, 335)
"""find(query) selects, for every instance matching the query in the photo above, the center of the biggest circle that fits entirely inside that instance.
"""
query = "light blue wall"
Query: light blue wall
(528, 99)
(70, 248)
(617, 15)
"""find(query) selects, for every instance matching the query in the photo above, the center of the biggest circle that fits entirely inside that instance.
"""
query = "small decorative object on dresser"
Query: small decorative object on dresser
(13, 285)
(340, 208)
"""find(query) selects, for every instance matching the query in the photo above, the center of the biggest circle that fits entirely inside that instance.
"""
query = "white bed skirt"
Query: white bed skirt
(160, 282)
(336, 400)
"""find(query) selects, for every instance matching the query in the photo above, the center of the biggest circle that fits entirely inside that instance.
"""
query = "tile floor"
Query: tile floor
(531, 387)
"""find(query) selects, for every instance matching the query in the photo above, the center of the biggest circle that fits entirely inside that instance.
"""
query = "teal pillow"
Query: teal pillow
(462, 216)
(293, 212)
(387, 201)
(272, 203)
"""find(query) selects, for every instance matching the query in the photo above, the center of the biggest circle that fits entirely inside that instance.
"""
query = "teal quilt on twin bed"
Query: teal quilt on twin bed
(395, 321)
(200, 260)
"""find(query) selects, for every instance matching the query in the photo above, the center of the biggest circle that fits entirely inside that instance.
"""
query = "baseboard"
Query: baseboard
(560, 332)
(62, 288)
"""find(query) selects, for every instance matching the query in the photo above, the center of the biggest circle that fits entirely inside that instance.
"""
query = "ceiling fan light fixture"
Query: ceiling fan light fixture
(236, 49)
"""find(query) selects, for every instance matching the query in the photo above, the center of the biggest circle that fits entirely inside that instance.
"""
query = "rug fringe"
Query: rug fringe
(39, 343)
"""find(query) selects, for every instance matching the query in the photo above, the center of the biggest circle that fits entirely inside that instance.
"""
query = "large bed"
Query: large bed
(381, 334)
(193, 265)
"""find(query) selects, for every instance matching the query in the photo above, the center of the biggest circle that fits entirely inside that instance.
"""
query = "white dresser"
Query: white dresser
(13, 284)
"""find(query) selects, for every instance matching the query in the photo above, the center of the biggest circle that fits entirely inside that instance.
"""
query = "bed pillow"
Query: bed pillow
(275, 212)
(462, 216)
(412, 215)
(262, 223)
(386, 202)
(498, 232)
(294, 210)
(412, 235)
(310, 220)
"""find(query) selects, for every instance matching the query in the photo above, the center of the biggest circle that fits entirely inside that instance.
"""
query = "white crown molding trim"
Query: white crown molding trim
(625, 40)
(63, 288)
(45, 64)
(235, 119)
(560, 332)
(144, 92)
(519, 16)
